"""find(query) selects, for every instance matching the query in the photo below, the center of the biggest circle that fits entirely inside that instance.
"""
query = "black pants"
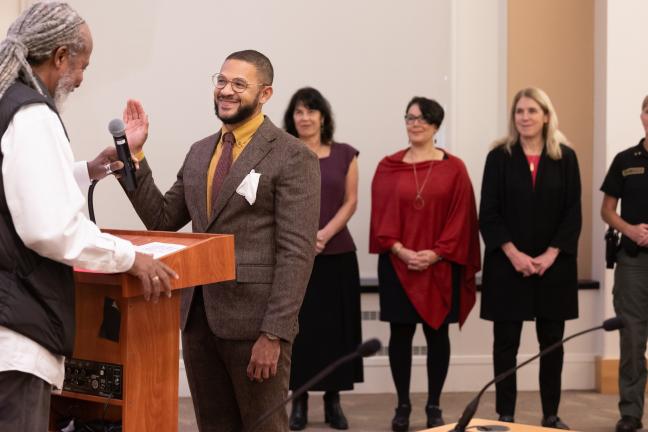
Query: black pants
(24, 402)
(400, 359)
(505, 349)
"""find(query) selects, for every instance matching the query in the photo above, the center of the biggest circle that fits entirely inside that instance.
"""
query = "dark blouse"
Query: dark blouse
(334, 169)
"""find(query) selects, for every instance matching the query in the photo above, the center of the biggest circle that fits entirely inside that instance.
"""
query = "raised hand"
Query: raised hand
(137, 125)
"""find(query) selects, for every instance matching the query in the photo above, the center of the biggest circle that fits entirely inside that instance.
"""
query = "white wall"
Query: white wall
(8, 12)
(368, 61)
(368, 58)
(621, 86)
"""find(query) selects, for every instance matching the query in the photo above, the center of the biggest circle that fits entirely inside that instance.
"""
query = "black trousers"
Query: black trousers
(505, 349)
(24, 402)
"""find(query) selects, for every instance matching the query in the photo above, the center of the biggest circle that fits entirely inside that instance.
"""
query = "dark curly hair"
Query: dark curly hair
(312, 99)
(431, 111)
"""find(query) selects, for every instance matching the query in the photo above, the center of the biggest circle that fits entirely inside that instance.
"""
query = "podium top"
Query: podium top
(206, 258)
(492, 425)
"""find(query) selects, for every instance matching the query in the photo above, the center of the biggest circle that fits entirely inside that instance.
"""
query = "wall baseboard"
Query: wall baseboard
(607, 375)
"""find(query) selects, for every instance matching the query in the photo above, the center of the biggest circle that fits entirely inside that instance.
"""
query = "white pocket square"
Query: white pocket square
(248, 187)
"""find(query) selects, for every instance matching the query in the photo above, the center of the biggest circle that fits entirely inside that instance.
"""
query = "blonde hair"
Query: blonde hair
(550, 133)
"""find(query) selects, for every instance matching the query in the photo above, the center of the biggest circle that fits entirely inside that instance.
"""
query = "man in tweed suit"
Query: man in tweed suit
(237, 336)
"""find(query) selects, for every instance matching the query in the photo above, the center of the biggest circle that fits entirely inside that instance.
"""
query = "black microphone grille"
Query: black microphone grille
(369, 348)
(612, 324)
(116, 127)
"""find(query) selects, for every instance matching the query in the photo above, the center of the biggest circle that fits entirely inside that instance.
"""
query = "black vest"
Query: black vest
(36, 293)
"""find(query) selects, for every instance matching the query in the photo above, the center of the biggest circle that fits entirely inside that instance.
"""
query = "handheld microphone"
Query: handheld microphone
(366, 349)
(117, 130)
(609, 324)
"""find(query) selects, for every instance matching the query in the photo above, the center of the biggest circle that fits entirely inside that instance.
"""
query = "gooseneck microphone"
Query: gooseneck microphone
(366, 349)
(609, 324)
(118, 131)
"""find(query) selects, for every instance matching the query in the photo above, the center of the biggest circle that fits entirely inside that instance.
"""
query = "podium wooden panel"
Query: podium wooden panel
(474, 423)
(148, 347)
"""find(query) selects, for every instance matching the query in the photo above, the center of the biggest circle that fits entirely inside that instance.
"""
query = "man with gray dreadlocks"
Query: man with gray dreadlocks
(43, 231)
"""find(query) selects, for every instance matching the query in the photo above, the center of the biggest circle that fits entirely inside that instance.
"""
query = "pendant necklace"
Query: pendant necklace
(419, 202)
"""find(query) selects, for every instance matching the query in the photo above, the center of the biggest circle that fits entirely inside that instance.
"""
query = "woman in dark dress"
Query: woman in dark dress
(329, 320)
(530, 219)
(424, 226)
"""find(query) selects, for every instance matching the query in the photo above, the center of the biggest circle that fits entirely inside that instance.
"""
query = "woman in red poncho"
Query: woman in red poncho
(424, 226)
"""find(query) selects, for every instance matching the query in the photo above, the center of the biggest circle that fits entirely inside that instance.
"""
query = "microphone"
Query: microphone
(369, 348)
(609, 324)
(366, 349)
(612, 324)
(117, 130)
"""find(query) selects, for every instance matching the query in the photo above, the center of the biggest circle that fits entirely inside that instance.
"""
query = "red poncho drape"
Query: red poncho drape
(447, 224)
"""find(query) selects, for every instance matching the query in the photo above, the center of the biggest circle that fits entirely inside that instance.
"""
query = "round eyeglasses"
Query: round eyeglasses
(239, 85)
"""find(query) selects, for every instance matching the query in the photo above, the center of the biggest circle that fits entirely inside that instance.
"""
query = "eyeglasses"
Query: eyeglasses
(411, 119)
(239, 85)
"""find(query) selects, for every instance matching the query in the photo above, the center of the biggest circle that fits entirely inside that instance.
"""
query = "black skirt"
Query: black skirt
(329, 324)
(396, 307)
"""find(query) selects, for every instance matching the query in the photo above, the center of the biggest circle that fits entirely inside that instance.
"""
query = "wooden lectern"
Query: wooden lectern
(148, 347)
(474, 423)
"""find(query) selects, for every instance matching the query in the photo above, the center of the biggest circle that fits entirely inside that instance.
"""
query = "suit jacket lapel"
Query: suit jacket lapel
(252, 154)
(204, 156)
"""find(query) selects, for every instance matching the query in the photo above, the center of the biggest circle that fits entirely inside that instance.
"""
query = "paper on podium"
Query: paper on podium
(159, 249)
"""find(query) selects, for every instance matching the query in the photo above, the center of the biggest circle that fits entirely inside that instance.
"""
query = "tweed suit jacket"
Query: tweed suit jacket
(274, 238)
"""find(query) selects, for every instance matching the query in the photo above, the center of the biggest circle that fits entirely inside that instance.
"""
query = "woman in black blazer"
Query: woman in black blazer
(530, 219)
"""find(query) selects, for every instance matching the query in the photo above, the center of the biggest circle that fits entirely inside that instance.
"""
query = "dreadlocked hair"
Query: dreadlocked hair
(34, 36)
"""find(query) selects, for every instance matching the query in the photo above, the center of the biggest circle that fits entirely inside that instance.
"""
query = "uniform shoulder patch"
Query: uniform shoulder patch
(633, 171)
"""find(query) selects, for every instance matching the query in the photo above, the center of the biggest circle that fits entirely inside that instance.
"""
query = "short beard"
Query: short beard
(64, 87)
(243, 113)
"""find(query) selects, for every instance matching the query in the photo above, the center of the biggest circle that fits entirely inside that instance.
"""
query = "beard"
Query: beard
(64, 87)
(243, 113)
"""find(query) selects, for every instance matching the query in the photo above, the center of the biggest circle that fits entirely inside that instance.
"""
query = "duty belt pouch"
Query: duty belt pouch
(611, 247)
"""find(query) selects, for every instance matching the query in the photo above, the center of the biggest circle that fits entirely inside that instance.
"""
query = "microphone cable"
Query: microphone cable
(90, 200)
